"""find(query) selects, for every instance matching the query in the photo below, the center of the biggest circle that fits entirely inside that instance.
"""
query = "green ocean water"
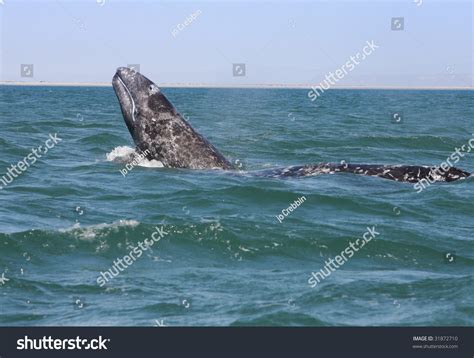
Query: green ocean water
(226, 259)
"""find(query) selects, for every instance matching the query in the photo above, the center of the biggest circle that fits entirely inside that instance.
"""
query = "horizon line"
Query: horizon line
(230, 86)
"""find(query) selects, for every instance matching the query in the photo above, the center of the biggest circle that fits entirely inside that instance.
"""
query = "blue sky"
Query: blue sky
(280, 42)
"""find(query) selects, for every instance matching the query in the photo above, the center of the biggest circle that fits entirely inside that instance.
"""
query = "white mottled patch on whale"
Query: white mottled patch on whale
(154, 89)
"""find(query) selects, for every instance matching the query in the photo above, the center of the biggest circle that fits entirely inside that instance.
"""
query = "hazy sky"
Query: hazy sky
(282, 42)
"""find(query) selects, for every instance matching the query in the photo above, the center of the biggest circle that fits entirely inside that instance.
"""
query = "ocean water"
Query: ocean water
(226, 259)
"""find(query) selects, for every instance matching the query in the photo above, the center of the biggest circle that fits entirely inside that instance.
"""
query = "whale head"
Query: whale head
(140, 100)
(158, 129)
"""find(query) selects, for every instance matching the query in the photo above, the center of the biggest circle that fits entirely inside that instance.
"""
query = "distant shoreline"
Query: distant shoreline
(243, 86)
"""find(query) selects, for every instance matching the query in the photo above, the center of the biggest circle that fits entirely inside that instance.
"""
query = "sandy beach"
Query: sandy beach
(210, 85)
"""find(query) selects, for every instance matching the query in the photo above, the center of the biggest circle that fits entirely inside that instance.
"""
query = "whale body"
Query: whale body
(164, 135)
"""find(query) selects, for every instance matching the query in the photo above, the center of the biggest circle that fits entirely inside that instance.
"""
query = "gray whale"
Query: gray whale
(160, 131)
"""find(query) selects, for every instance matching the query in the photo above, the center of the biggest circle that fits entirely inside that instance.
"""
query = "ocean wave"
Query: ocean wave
(91, 232)
(222, 239)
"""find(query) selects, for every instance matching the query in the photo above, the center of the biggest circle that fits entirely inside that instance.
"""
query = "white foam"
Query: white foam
(89, 233)
(150, 163)
(120, 154)
(124, 154)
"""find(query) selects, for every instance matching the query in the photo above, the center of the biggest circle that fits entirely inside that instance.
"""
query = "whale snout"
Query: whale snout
(125, 72)
(134, 81)
(125, 84)
(121, 70)
(134, 92)
(127, 76)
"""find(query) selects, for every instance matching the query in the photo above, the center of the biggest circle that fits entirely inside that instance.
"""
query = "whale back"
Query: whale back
(163, 134)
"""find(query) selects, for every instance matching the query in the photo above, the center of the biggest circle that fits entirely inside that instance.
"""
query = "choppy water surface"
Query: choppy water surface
(226, 259)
